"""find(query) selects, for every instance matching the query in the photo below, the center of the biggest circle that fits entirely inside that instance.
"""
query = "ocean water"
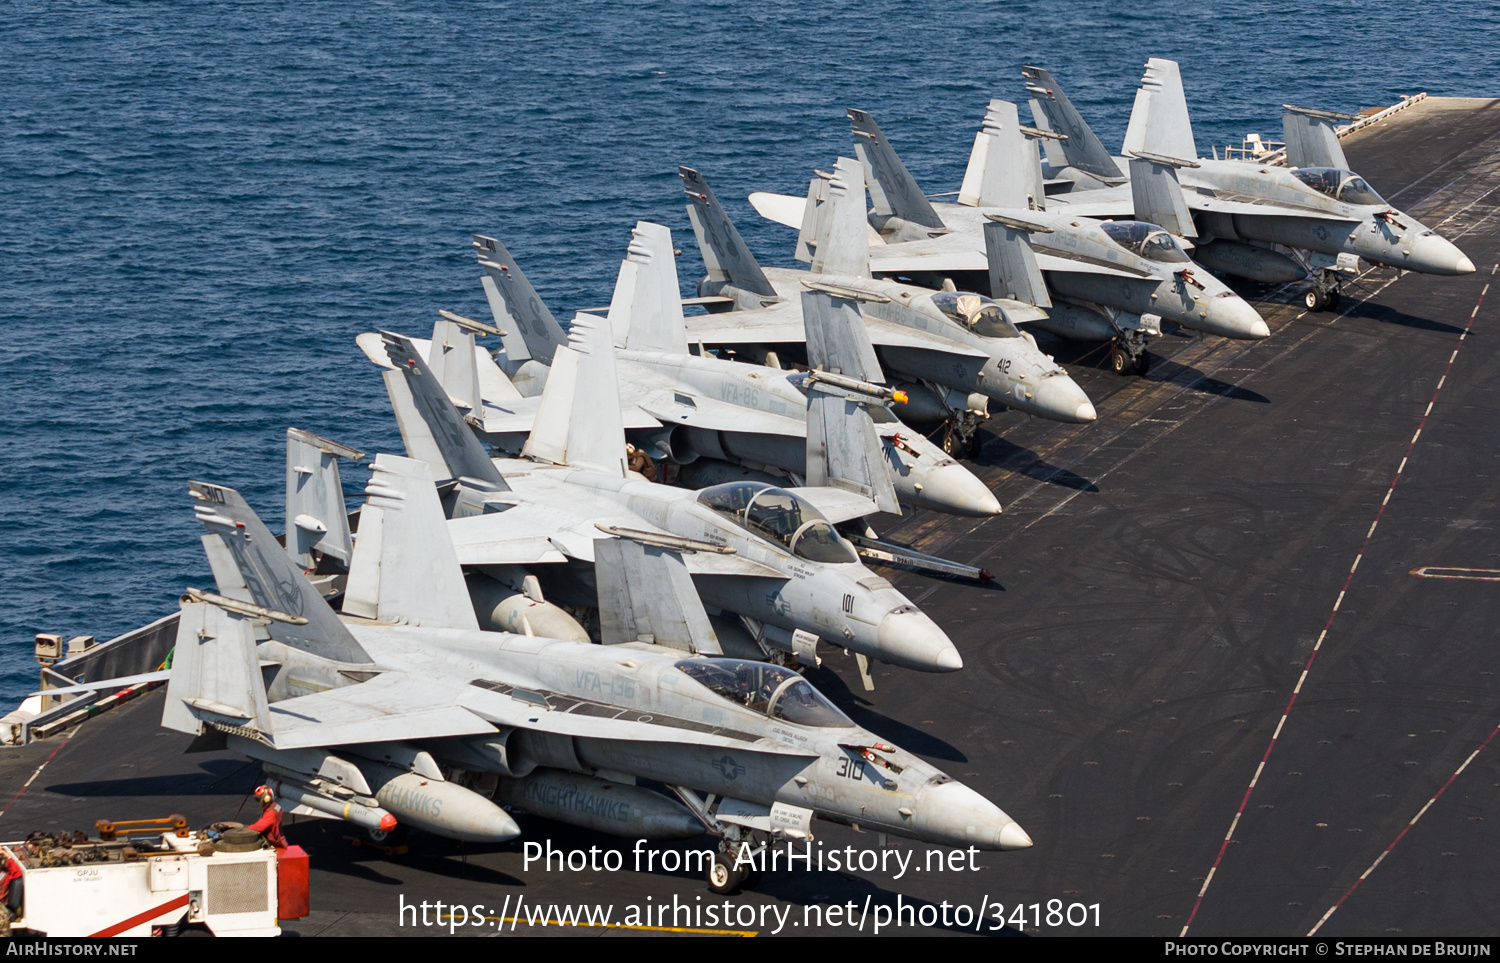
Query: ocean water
(201, 204)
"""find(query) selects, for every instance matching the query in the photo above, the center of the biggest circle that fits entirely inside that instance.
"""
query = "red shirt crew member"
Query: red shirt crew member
(269, 823)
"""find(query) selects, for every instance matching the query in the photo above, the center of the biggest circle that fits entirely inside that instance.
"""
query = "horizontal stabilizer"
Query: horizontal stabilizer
(391, 707)
(215, 673)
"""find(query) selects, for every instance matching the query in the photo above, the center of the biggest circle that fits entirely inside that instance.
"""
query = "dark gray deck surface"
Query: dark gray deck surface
(1162, 578)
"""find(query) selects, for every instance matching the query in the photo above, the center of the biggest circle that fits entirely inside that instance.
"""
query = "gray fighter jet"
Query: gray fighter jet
(785, 570)
(417, 718)
(1108, 281)
(714, 419)
(952, 352)
(1267, 223)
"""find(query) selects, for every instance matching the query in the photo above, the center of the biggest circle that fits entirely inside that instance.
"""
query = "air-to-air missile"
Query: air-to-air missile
(397, 715)
(1313, 217)
(782, 565)
(1107, 280)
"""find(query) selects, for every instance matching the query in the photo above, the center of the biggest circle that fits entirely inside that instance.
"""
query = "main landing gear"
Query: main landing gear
(961, 437)
(1127, 355)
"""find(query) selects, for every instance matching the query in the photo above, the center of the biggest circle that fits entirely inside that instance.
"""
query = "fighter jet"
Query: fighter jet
(1275, 224)
(952, 352)
(417, 718)
(1108, 281)
(784, 568)
(712, 418)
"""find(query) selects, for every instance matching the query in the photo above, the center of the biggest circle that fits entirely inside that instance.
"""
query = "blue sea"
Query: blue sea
(201, 204)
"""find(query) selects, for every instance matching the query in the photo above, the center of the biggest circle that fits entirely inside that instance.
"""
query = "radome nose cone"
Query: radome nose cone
(1014, 837)
(913, 641)
(952, 814)
(955, 490)
(1432, 254)
(1058, 398)
(1233, 317)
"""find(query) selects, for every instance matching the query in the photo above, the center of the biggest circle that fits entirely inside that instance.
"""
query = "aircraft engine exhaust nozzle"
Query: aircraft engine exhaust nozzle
(1433, 254)
(952, 814)
(913, 641)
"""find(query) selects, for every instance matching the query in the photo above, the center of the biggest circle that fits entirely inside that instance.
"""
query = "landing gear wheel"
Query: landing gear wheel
(391, 837)
(1142, 363)
(973, 446)
(751, 880)
(1315, 299)
(1119, 361)
(1335, 298)
(723, 878)
(953, 445)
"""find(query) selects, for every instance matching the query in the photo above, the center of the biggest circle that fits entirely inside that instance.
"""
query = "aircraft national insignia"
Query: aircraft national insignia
(728, 768)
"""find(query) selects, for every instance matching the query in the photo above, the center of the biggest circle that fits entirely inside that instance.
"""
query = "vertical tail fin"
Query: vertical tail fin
(892, 188)
(1311, 140)
(215, 673)
(1156, 194)
(531, 330)
(647, 595)
(249, 564)
(451, 358)
(645, 313)
(1004, 169)
(843, 448)
(1159, 122)
(430, 426)
(724, 252)
(316, 518)
(1053, 111)
(1014, 273)
(579, 422)
(405, 569)
(841, 241)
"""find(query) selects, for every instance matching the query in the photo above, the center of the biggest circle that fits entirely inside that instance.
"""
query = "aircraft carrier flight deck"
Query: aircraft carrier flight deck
(1238, 651)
